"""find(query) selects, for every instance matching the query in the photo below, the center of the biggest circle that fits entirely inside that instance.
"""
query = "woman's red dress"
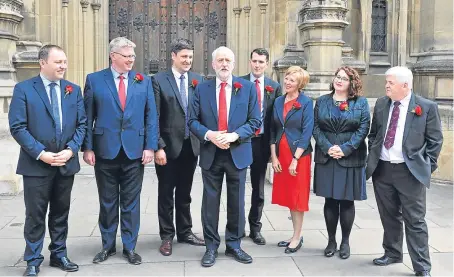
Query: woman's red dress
(291, 191)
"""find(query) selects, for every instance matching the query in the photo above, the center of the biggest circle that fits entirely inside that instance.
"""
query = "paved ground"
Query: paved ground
(84, 238)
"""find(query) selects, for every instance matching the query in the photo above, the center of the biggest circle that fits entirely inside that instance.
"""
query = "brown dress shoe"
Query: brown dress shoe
(166, 247)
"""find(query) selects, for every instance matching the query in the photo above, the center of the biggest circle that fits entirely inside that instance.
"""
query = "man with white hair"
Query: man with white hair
(404, 143)
(122, 136)
(224, 115)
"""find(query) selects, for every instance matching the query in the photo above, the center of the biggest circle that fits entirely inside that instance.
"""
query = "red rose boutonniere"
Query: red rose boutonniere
(68, 90)
(138, 78)
(237, 86)
(194, 83)
(296, 106)
(269, 90)
(343, 106)
(417, 110)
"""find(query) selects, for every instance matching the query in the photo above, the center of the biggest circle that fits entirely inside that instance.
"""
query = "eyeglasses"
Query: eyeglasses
(339, 78)
(130, 57)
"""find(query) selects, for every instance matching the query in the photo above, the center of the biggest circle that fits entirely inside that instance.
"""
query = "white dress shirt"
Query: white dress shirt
(262, 96)
(228, 95)
(177, 76)
(46, 83)
(394, 154)
(116, 76)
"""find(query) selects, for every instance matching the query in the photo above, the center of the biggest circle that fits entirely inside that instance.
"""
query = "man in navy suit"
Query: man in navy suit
(122, 136)
(224, 116)
(178, 148)
(267, 91)
(47, 119)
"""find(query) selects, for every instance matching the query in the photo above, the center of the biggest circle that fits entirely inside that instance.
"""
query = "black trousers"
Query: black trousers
(53, 191)
(212, 188)
(119, 185)
(401, 197)
(176, 176)
(257, 173)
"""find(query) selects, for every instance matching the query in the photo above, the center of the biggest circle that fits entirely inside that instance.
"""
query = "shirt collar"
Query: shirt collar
(229, 81)
(178, 74)
(405, 102)
(47, 82)
(261, 78)
(116, 74)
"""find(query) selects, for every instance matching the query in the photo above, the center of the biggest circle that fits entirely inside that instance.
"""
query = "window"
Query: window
(378, 26)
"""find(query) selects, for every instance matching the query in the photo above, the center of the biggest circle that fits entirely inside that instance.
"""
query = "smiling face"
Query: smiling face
(123, 59)
(395, 89)
(223, 64)
(258, 64)
(54, 67)
(341, 82)
(182, 60)
(291, 83)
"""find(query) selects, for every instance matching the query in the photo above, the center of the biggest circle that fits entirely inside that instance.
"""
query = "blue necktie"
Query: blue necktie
(55, 111)
(184, 100)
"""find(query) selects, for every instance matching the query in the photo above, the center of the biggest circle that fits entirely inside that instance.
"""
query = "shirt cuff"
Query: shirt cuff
(206, 136)
(42, 152)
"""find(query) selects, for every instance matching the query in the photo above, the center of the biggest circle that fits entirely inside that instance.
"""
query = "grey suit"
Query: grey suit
(400, 189)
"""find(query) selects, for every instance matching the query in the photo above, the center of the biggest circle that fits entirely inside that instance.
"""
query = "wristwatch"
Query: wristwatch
(296, 157)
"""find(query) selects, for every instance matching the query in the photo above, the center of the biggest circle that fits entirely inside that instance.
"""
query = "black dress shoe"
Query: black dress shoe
(104, 255)
(31, 270)
(330, 249)
(192, 239)
(385, 260)
(257, 238)
(290, 250)
(166, 247)
(422, 273)
(64, 264)
(132, 256)
(344, 251)
(209, 258)
(239, 255)
(283, 243)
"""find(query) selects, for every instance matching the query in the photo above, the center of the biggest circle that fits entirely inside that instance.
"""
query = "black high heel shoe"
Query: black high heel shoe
(330, 249)
(290, 250)
(344, 251)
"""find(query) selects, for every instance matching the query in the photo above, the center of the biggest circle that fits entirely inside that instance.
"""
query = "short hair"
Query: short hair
(261, 52)
(44, 51)
(222, 49)
(181, 44)
(303, 76)
(120, 42)
(355, 88)
(402, 74)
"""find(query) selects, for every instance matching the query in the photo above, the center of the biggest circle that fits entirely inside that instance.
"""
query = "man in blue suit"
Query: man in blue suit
(47, 119)
(224, 116)
(122, 136)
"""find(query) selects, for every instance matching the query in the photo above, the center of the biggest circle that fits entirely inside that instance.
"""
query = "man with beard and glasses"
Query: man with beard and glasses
(176, 158)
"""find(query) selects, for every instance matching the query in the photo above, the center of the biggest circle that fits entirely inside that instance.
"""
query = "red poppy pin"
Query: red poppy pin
(417, 110)
(296, 106)
(138, 78)
(194, 83)
(237, 86)
(68, 90)
(269, 90)
(343, 106)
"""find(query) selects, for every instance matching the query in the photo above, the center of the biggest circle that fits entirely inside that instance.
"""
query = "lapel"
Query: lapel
(385, 116)
(173, 84)
(131, 85)
(190, 88)
(410, 116)
(329, 102)
(64, 103)
(265, 95)
(39, 87)
(279, 107)
(233, 99)
(212, 97)
(345, 117)
(108, 77)
(292, 110)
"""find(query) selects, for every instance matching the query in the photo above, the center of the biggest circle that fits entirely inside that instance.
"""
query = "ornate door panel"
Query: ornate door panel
(153, 24)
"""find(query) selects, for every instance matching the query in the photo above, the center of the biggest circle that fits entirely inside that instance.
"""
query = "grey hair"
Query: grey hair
(223, 49)
(120, 42)
(402, 74)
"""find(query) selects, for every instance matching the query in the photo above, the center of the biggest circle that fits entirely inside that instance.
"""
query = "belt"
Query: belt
(257, 136)
(383, 161)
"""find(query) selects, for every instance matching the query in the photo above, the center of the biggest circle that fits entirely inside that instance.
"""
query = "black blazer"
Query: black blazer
(171, 114)
(422, 141)
(269, 98)
(349, 134)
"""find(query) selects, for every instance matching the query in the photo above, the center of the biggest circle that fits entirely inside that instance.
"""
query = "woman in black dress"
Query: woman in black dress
(341, 124)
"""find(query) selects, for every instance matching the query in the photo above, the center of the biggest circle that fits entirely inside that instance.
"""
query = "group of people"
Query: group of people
(125, 120)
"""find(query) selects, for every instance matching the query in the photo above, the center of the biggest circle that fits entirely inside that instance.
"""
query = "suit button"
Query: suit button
(122, 129)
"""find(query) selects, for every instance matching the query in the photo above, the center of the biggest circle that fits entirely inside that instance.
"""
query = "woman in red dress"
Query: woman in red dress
(291, 131)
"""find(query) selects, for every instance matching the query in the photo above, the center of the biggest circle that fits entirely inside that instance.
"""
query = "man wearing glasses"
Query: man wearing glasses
(122, 136)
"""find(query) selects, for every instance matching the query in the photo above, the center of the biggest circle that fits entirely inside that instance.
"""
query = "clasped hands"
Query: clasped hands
(335, 152)
(222, 139)
(56, 159)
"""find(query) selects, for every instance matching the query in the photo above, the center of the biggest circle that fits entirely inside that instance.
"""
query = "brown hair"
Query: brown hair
(302, 76)
(355, 88)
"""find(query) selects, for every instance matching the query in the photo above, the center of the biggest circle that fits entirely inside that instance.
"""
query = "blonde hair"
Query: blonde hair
(302, 76)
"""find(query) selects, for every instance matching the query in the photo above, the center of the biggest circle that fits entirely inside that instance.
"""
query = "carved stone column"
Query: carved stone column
(65, 31)
(96, 6)
(262, 5)
(237, 12)
(247, 12)
(85, 38)
(322, 23)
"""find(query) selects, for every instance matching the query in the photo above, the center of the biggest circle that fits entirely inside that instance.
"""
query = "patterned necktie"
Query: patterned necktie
(122, 92)
(391, 133)
(184, 100)
(222, 122)
(55, 110)
(259, 101)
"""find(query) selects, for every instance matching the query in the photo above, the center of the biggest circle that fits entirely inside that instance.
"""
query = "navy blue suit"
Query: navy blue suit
(244, 119)
(118, 139)
(33, 126)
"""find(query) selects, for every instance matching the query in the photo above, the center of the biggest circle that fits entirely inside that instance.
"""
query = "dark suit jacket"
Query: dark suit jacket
(109, 128)
(297, 125)
(171, 114)
(268, 102)
(244, 119)
(349, 134)
(422, 139)
(32, 125)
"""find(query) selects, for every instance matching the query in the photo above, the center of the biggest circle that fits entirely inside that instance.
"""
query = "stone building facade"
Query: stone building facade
(319, 35)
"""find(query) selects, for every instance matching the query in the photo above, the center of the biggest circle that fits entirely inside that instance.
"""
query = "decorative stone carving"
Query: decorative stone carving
(64, 3)
(11, 6)
(213, 25)
(349, 60)
(84, 4)
(292, 56)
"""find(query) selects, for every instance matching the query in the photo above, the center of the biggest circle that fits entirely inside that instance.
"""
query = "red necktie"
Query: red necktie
(222, 122)
(122, 92)
(259, 100)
